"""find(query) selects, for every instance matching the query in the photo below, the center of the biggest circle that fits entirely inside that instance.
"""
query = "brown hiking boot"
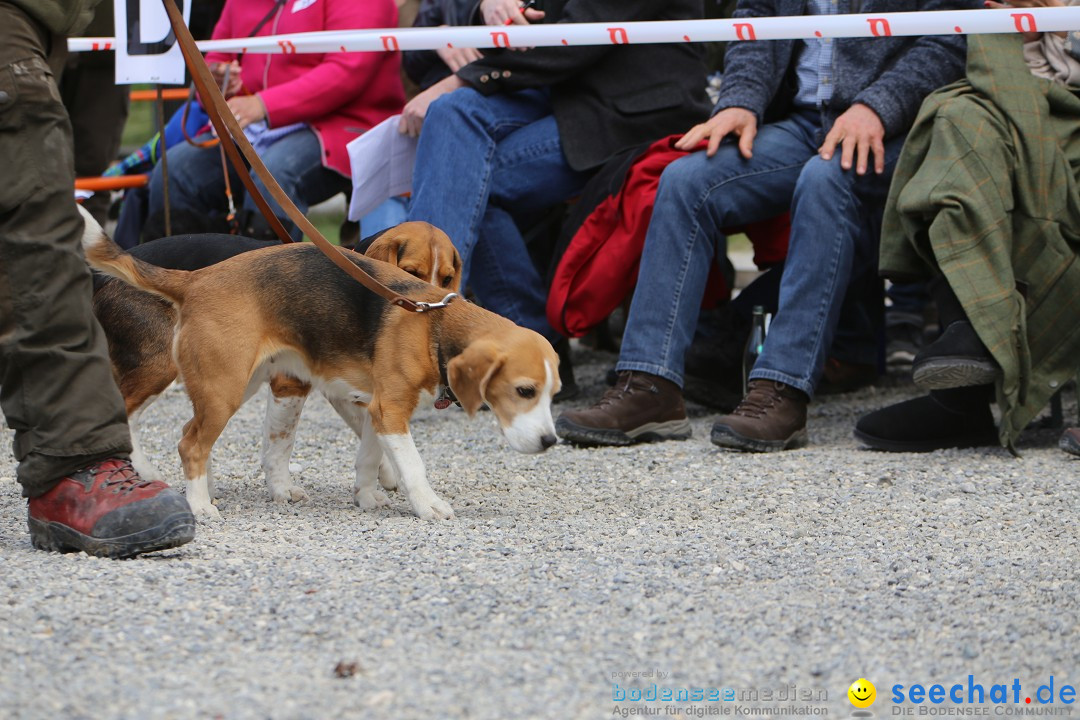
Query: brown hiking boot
(771, 417)
(639, 408)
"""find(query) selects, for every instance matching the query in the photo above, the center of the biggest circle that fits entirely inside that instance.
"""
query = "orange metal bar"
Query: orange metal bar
(121, 182)
(168, 94)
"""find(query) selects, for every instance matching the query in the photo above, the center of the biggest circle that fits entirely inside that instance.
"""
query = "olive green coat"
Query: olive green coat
(987, 193)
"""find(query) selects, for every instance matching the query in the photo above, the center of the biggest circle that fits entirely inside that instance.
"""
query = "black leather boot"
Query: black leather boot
(956, 418)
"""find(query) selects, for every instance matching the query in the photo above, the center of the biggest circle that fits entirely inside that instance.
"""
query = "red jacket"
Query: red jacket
(599, 268)
(338, 94)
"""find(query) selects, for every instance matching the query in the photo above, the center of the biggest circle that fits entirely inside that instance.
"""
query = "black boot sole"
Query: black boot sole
(174, 531)
(945, 373)
(650, 432)
(970, 440)
(725, 437)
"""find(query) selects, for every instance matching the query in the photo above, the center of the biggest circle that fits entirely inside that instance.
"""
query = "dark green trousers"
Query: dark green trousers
(56, 385)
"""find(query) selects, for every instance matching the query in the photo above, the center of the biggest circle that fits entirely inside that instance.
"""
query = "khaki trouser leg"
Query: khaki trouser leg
(56, 385)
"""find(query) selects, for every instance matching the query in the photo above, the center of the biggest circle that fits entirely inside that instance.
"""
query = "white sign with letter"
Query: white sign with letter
(146, 49)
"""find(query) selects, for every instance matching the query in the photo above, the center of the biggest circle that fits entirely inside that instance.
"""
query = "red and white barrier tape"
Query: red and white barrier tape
(946, 22)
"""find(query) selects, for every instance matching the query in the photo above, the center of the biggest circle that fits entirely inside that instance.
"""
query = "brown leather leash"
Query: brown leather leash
(231, 135)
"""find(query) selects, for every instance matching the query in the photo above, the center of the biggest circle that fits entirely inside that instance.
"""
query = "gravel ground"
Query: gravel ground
(810, 568)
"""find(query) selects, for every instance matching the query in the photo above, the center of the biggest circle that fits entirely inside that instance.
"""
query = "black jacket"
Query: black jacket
(425, 67)
(607, 98)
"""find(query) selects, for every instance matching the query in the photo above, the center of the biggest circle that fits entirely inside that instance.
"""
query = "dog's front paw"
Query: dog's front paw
(432, 508)
(204, 511)
(369, 499)
(289, 494)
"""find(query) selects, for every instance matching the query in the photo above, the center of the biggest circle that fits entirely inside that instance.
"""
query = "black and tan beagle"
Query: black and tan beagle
(287, 310)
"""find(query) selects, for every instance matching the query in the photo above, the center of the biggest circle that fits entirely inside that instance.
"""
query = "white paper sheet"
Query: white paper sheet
(382, 166)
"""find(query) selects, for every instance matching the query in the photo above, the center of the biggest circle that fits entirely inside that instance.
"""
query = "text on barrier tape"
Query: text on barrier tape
(942, 22)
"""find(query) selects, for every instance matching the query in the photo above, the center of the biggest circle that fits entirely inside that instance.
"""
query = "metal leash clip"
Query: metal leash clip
(425, 306)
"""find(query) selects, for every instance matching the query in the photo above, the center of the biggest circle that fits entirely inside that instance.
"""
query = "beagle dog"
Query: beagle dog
(139, 328)
(287, 309)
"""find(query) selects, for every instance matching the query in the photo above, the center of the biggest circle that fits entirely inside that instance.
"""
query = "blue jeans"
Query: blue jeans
(484, 164)
(699, 196)
(197, 182)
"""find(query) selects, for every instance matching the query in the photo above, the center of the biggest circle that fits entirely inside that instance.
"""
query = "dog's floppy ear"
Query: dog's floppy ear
(470, 372)
(361, 246)
(457, 267)
(387, 247)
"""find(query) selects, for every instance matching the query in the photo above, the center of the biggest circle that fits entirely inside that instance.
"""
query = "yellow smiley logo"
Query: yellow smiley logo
(862, 693)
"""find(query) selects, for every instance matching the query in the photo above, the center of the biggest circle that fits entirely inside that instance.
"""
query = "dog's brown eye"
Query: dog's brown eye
(527, 392)
(447, 280)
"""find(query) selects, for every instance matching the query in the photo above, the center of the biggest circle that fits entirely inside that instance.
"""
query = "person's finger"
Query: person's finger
(878, 148)
(714, 142)
(847, 150)
(414, 123)
(691, 138)
(862, 153)
(746, 140)
(517, 18)
(828, 146)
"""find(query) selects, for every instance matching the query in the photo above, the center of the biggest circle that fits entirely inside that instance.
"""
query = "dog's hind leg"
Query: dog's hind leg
(369, 454)
(213, 405)
(283, 407)
(199, 436)
(146, 469)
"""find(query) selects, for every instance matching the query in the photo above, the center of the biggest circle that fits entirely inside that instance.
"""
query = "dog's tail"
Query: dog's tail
(106, 256)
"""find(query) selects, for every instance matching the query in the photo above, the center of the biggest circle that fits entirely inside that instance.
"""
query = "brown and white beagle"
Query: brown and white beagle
(287, 310)
(139, 328)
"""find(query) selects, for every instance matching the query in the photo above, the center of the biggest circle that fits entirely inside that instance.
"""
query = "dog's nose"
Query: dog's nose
(548, 440)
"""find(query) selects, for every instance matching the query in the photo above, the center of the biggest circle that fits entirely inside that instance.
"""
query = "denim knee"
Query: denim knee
(454, 107)
(825, 178)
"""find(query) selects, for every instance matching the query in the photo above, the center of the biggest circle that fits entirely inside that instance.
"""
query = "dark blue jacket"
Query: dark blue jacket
(890, 75)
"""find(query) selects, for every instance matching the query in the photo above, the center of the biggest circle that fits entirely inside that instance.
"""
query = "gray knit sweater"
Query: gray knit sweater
(891, 75)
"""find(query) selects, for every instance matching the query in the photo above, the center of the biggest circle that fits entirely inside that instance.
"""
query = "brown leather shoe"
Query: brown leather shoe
(771, 417)
(639, 408)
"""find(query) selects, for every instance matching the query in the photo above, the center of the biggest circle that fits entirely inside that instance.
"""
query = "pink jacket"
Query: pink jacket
(339, 95)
